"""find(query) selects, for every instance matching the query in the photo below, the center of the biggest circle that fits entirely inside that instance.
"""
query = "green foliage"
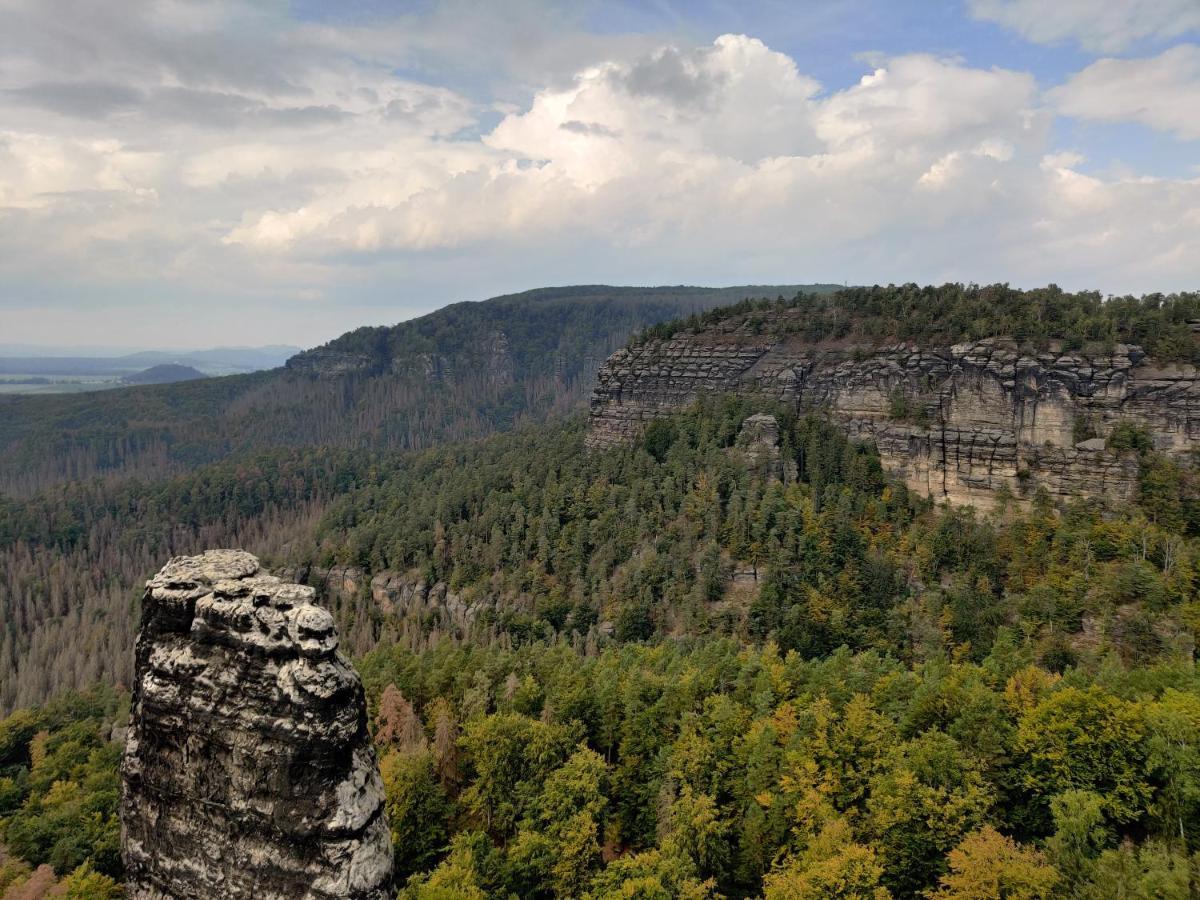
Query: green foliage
(832, 866)
(989, 866)
(640, 539)
(1086, 740)
(454, 879)
(950, 313)
(1128, 436)
(650, 875)
(418, 809)
(1153, 871)
(87, 884)
(60, 806)
(682, 768)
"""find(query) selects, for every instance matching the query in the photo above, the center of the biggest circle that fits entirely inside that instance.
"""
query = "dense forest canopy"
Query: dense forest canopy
(464, 371)
(679, 535)
(931, 315)
(892, 700)
(671, 671)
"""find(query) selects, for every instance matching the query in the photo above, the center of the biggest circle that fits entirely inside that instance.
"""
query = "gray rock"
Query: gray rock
(987, 415)
(248, 771)
(758, 443)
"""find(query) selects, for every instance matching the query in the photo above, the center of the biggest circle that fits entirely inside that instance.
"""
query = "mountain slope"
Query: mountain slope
(164, 373)
(747, 633)
(462, 371)
(729, 656)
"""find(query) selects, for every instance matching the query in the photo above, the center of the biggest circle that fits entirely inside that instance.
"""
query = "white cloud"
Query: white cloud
(923, 102)
(1104, 26)
(1162, 92)
(217, 153)
(725, 149)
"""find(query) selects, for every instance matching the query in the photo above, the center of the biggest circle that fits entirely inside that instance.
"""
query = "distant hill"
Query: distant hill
(166, 373)
(462, 371)
(28, 359)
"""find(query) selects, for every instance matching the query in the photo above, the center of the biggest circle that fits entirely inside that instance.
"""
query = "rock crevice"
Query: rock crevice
(248, 770)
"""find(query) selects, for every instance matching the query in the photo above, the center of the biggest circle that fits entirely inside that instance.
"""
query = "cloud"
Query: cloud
(200, 156)
(1107, 26)
(728, 148)
(920, 101)
(1162, 92)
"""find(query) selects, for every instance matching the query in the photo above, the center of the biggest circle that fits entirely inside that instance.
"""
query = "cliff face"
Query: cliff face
(248, 770)
(399, 598)
(487, 356)
(955, 422)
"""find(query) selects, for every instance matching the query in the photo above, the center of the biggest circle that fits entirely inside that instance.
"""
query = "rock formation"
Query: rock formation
(248, 770)
(758, 444)
(398, 596)
(957, 423)
(485, 358)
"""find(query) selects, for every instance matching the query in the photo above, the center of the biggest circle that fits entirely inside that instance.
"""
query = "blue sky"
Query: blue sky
(833, 38)
(254, 171)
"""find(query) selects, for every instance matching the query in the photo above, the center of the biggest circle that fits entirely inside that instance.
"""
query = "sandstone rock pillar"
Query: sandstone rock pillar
(248, 770)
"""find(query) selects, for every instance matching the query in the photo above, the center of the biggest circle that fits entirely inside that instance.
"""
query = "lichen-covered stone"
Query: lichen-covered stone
(975, 417)
(248, 771)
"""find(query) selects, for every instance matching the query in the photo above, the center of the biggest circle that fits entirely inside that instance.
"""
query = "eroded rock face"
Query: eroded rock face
(957, 423)
(758, 444)
(248, 770)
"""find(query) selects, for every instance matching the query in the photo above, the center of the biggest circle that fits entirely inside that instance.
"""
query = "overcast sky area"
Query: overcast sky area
(186, 172)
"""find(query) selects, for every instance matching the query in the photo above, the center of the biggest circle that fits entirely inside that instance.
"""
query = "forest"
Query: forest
(463, 371)
(700, 680)
(931, 315)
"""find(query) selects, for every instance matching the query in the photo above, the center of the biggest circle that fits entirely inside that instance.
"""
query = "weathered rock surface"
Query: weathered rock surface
(397, 594)
(758, 444)
(248, 770)
(975, 417)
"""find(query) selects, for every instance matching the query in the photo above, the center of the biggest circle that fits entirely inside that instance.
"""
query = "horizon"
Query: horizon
(218, 169)
(11, 349)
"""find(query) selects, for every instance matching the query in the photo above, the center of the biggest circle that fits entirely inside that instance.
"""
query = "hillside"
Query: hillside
(164, 373)
(360, 518)
(731, 659)
(462, 371)
(968, 393)
(730, 654)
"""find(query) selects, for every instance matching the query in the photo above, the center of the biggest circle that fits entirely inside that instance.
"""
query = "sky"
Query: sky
(212, 172)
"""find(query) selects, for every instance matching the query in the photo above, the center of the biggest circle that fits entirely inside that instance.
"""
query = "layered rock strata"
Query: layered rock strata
(957, 423)
(248, 770)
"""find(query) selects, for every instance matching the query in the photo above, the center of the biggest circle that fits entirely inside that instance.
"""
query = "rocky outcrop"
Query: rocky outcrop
(248, 770)
(758, 446)
(397, 594)
(957, 423)
(325, 362)
(485, 358)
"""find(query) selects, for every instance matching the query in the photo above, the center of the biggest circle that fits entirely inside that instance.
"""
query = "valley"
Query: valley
(707, 633)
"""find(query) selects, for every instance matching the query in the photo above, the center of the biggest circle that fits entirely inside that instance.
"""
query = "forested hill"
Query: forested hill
(544, 331)
(463, 371)
(733, 659)
(1164, 325)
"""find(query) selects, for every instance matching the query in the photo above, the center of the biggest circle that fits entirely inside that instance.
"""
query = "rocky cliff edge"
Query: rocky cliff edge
(957, 423)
